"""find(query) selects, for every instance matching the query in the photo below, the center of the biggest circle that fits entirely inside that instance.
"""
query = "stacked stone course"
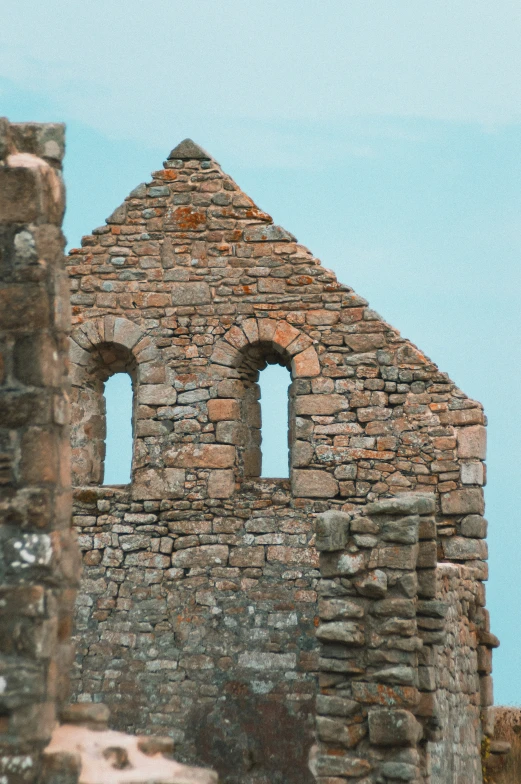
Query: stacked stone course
(199, 602)
(39, 561)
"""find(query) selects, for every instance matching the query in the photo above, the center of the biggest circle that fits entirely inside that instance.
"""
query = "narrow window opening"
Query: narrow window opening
(274, 382)
(118, 444)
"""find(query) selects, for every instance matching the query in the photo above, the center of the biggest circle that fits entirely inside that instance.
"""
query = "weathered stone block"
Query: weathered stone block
(382, 694)
(335, 609)
(200, 456)
(348, 766)
(405, 504)
(319, 404)
(19, 194)
(293, 556)
(473, 474)
(467, 501)
(373, 584)
(206, 555)
(301, 453)
(398, 608)
(466, 416)
(222, 409)
(284, 334)
(472, 441)
(460, 548)
(402, 531)
(322, 317)
(247, 556)
(313, 484)
(221, 483)
(398, 556)
(267, 233)
(332, 529)
(427, 555)
(305, 364)
(126, 333)
(190, 293)
(337, 731)
(259, 660)
(342, 564)
(402, 771)
(389, 727)
(345, 632)
(474, 526)
(335, 706)
(231, 433)
(155, 483)
(157, 395)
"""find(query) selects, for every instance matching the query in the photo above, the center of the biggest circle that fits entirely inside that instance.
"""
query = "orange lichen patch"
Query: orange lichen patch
(257, 214)
(299, 280)
(438, 406)
(187, 219)
(167, 174)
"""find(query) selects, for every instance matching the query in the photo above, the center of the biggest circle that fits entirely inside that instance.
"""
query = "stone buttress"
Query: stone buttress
(203, 589)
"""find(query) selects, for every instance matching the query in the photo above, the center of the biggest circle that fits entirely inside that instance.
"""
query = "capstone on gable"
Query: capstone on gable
(337, 616)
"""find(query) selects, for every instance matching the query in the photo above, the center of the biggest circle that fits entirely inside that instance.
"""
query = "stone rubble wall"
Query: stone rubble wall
(462, 667)
(376, 608)
(202, 625)
(405, 661)
(191, 289)
(39, 559)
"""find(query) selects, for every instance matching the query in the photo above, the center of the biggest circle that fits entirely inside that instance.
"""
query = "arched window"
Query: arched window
(273, 382)
(119, 438)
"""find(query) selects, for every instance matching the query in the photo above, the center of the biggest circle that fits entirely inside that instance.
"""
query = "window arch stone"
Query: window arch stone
(246, 349)
(99, 349)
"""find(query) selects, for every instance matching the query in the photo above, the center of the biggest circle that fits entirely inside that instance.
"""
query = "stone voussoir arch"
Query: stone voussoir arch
(280, 334)
(99, 348)
(112, 330)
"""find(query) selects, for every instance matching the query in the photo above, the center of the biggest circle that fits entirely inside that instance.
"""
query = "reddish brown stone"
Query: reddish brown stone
(223, 409)
(221, 484)
(201, 456)
(306, 364)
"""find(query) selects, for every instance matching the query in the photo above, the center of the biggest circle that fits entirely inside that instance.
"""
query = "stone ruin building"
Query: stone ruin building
(329, 627)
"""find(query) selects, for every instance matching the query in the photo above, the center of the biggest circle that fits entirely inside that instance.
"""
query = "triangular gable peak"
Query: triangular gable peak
(190, 246)
(191, 289)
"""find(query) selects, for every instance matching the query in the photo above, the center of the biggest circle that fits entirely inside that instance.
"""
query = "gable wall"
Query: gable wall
(199, 598)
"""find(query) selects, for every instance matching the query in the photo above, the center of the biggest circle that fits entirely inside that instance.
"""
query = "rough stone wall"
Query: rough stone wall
(458, 662)
(199, 597)
(39, 561)
(374, 713)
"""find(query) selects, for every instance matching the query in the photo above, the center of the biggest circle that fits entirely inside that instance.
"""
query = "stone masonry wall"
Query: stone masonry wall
(459, 660)
(374, 712)
(199, 595)
(39, 561)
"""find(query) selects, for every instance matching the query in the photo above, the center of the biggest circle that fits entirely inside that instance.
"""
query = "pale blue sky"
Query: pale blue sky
(385, 135)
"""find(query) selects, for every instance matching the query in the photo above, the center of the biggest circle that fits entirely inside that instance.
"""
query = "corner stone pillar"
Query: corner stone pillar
(39, 561)
(375, 708)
